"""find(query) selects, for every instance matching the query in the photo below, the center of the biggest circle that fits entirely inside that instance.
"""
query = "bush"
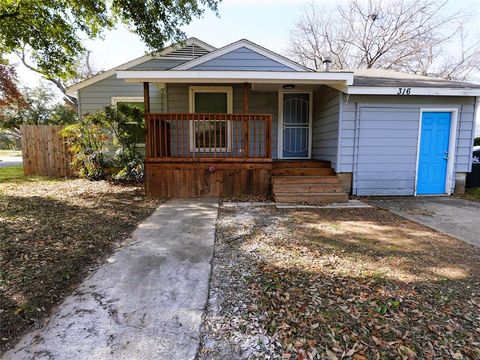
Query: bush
(88, 142)
(476, 142)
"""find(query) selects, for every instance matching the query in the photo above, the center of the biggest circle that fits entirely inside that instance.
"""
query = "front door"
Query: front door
(295, 125)
(433, 156)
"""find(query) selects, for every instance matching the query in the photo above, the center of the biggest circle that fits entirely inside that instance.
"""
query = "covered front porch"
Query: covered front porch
(225, 139)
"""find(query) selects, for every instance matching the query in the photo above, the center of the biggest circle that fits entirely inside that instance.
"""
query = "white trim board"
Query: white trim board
(161, 55)
(269, 77)
(280, 123)
(237, 45)
(117, 99)
(450, 174)
(414, 91)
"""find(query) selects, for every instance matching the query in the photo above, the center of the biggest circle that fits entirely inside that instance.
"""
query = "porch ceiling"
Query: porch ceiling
(259, 77)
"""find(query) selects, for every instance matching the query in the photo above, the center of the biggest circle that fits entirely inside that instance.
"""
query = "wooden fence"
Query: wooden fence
(44, 151)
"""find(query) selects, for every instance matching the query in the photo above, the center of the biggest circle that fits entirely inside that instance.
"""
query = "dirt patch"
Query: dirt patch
(356, 283)
(51, 234)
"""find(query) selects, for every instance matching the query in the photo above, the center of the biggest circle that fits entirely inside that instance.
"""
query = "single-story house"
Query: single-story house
(242, 119)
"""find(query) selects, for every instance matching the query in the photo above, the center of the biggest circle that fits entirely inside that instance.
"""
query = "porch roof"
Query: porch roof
(261, 77)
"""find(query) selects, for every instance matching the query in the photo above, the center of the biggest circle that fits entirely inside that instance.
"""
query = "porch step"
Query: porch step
(302, 171)
(287, 164)
(305, 180)
(307, 188)
(324, 197)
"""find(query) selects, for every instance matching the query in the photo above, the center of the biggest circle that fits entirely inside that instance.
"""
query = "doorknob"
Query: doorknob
(445, 155)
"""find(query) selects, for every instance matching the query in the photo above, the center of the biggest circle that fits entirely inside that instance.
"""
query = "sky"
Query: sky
(266, 22)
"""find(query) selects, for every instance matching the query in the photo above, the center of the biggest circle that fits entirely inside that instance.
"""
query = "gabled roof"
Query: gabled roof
(170, 52)
(243, 43)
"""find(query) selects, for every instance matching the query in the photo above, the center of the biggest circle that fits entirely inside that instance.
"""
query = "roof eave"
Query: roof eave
(186, 76)
(72, 90)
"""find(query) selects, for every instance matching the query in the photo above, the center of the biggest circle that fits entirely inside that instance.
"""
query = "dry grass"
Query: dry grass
(343, 283)
(52, 232)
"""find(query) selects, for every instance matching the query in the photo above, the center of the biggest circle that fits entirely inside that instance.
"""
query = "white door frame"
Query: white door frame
(452, 142)
(280, 123)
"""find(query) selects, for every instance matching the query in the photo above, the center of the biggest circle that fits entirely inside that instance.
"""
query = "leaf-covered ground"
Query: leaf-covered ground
(471, 194)
(332, 284)
(51, 234)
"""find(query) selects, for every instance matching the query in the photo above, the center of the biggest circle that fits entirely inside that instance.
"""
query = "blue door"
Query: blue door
(296, 125)
(433, 157)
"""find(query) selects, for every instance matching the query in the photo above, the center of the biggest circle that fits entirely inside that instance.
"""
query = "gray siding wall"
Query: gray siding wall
(325, 130)
(98, 95)
(242, 59)
(382, 152)
(259, 103)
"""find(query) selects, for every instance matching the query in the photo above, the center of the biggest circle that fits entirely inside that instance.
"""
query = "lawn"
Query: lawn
(357, 284)
(13, 174)
(52, 233)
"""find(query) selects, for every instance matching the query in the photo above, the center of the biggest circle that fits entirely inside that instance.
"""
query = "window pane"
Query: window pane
(210, 134)
(211, 103)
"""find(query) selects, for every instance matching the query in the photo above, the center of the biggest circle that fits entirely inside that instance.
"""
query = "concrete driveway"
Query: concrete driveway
(147, 302)
(455, 217)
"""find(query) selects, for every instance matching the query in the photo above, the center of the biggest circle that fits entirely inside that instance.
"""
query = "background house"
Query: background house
(241, 118)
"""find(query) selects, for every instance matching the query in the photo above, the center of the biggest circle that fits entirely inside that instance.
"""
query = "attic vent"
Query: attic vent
(191, 51)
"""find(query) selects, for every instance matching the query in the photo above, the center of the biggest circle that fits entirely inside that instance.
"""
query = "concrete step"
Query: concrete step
(329, 179)
(286, 164)
(307, 188)
(302, 172)
(310, 197)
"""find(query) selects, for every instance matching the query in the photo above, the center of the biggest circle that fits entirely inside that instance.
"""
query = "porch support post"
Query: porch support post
(146, 111)
(246, 122)
(245, 97)
(146, 97)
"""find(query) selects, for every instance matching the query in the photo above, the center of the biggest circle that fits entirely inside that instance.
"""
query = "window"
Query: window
(138, 102)
(210, 135)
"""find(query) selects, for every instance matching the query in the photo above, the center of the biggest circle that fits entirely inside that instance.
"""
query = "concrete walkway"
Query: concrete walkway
(455, 217)
(146, 303)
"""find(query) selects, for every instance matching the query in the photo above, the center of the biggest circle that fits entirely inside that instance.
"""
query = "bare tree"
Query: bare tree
(85, 69)
(402, 35)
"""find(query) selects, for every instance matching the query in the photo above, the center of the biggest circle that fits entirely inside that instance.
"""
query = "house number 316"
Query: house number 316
(404, 91)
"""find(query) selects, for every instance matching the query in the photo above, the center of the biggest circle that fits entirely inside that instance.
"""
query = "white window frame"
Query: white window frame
(280, 123)
(452, 143)
(191, 107)
(118, 99)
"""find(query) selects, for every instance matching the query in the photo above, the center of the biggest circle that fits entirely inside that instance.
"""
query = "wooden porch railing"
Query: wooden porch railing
(207, 137)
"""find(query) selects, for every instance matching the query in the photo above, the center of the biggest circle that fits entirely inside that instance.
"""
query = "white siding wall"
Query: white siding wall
(325, 129)
(95, 97)
(382, 152)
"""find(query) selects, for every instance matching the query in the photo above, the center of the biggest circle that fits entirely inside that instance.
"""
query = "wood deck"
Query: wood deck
(292, 181)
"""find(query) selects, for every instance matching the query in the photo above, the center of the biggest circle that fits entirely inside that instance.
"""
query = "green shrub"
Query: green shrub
(476, 142)
(88, 141)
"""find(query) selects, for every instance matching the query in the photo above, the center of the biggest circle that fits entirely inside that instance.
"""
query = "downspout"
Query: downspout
(356, 142)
